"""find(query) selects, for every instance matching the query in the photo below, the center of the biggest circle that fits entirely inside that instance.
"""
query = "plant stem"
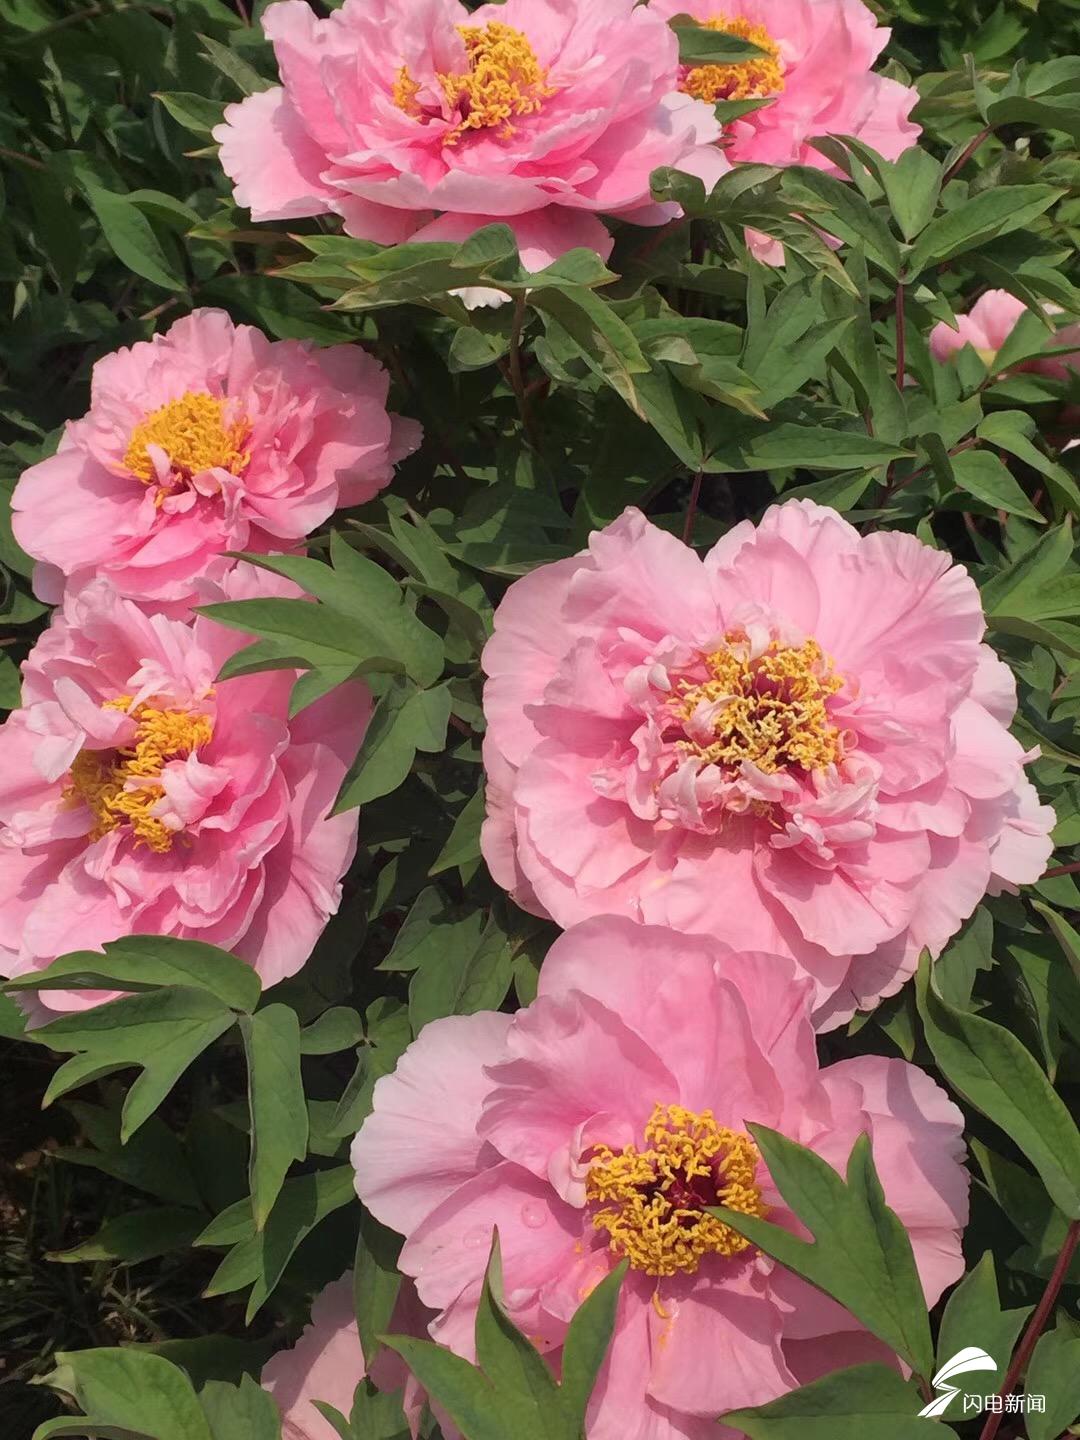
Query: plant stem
(7, 154)
(691, 508)
(1036, 1325)
(1062, 870)
(901, 338)
(515, 371)
(966, 154)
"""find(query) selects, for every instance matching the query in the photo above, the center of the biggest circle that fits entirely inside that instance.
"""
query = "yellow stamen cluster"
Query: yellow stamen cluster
(773, 709)
(503, 82)
(653, 1199)
(744, 79)
(195, 435)
(119, 786)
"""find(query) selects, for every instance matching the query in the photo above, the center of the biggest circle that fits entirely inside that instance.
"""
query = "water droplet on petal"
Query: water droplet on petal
(534, 1214)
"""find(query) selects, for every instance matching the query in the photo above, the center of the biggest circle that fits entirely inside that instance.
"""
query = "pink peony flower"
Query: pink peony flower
(139, 796)
(989, 323)
(543, 114)
(797, 745)
(816, 73)
(206, 439)
(327, 1363)
(599, 1123)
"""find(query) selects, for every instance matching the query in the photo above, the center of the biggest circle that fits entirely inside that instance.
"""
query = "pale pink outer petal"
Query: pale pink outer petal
(538, 1236)
(985, 327)
(326, 1363)
(620, 1407)
(420, 1142)
(274, 164)
(917, 1137)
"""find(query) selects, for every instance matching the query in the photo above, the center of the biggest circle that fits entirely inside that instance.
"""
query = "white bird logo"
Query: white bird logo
(962, 1363)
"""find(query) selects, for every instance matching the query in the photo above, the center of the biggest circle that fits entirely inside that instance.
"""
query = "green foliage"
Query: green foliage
(511, 1391)
(860, 1255)
(212, 1122)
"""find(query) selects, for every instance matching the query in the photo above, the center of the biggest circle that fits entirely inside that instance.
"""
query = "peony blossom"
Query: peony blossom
(989, 323)
(141, 796)
(206, 439)
(797, 744)
(599, 1123)
(327, 1363)
(815, 72)
(418, 119)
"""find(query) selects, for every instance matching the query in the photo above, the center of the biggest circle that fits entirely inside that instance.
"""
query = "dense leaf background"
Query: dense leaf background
(187, 1207)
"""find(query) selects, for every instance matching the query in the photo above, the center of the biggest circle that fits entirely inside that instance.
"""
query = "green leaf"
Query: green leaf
(336, 1029)
(993, 212)
(974, 1316)
(279, 1119)
(10, 682)
(472, 973)
(508, 1361)
(462, 847)
(405, 720)
(162, 1031)
(371, 622)
(132, 239)
(1011, 590)
(376, 1415)
(135, 1390)
(843, 212)
(867, 1402)
(1063, 933)
(1055, 1372)
(12, 1019)
(460, 1389)
(912, 185)
(145, 962)
(994, 1072)
(244, 76)
(606, 342)
(259, 1258)
(817, 447)
(138, 1235)
(983, 475)
(240, 1412)
(196, 113)
(861, 1253)
(701, 46)
(152, 1161)
(966, 954)
(586, 1344)
(376, 1282)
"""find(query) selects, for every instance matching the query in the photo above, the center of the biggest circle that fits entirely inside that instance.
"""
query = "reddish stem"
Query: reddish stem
(691, 509)
(1061, 870)
(901, 339)
(1036, 1325)
(966, 154)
